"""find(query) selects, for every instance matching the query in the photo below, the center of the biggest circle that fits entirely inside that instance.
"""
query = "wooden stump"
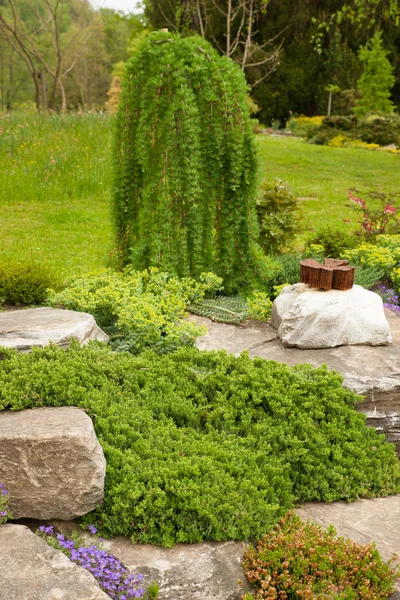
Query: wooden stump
(333, 274)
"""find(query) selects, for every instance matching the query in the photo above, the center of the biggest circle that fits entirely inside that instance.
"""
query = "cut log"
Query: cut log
(333, 274)
(306, 267)
(343, 277)
(335, 262)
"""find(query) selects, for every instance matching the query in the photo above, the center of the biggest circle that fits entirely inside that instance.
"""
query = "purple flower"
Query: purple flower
(92, 529)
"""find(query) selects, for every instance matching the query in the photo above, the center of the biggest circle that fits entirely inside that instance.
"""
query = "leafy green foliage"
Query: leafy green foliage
(333, 241)
(382, 130)
(228, 309)
(368, 276)
(277, 216)
(25, 282)
(377, 79)
(204, 445)
(302, 560)
(185, 161)
(139, 310)
(222, 309)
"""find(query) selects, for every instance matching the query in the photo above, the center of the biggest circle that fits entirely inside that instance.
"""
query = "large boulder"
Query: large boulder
(31, 570)
(51, 462)
(25, 329)
(309, 318)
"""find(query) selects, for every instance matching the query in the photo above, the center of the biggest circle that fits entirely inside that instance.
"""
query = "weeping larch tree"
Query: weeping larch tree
(185, 161)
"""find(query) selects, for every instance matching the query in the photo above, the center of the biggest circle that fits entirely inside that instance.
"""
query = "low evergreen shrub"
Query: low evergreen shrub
(301, 560)
(25, 282)
(205, 445)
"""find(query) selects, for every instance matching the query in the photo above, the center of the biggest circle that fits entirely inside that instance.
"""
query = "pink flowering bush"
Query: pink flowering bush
(377, 214)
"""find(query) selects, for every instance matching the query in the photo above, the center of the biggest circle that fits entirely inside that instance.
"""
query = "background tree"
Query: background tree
(377, 79)
(185, 161)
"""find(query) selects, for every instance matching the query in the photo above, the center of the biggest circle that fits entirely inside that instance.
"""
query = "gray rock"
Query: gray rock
(311, 318)
(25, 329)
(371, 371)
(51, 462)
(31, 570)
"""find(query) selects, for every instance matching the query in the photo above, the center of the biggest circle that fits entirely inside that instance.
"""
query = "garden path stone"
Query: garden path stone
(25, 329)
(31, 570)
(372, 371)
(51, 462)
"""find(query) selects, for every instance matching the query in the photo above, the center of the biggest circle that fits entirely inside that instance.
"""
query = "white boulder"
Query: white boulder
(309, 318)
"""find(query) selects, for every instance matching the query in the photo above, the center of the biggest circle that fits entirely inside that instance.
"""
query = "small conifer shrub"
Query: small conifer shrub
(185, 162)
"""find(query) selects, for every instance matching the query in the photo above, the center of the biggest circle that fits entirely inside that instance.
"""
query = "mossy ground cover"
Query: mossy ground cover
(204, 445)
(56, 185)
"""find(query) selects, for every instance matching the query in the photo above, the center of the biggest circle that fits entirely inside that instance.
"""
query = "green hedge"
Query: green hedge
(203, 445)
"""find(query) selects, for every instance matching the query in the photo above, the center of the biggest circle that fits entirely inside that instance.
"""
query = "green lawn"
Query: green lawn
(56, 180)
(321, 176)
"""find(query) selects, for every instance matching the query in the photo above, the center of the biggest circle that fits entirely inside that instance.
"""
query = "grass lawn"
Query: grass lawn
(321, 176)
(56, 182)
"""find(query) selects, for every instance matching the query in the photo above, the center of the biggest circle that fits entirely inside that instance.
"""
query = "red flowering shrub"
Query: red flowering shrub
(375, 219)
(299, 560)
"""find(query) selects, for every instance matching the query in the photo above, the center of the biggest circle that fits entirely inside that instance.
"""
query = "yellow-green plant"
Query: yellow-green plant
(185, 161)
(139, 309)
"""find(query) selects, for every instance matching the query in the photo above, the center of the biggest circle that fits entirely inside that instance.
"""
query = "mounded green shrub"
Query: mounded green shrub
(25, 282)
(185, 161)
(204, 445)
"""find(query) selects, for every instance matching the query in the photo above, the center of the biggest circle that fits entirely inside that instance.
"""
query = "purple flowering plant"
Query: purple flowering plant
(111, 575)
(5, 513)
(390, 299)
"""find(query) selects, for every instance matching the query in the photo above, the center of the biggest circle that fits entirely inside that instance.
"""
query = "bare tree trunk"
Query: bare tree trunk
(228, 28)
(44, 93)
(63, 97)
(329, 103)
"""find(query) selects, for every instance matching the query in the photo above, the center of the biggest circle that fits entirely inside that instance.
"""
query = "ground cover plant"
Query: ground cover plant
(204, 445)
(301, 560)
(185, 161)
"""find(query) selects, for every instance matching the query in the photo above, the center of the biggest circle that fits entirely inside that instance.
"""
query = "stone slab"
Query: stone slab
(31, 570)
(37, 327)
(51, 462)
(206, 571)
(371, 371)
